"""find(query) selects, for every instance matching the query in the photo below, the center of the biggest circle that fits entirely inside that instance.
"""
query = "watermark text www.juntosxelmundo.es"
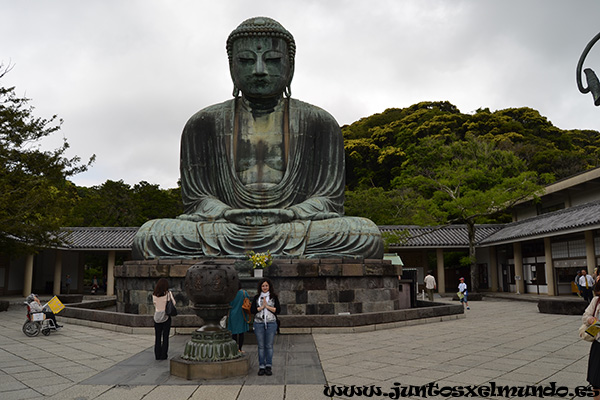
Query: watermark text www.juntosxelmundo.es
(432, 389)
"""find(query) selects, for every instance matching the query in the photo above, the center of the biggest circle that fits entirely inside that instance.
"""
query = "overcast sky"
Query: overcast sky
(126, 75)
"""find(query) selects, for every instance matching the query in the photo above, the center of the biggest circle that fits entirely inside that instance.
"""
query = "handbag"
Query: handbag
(170, 309)
(246, 305)
(584, 335)
(583, 328)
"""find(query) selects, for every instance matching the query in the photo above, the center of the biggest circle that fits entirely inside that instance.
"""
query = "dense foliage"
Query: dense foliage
(119, 204)
(393, 150)
(35, 192)
(429, 164)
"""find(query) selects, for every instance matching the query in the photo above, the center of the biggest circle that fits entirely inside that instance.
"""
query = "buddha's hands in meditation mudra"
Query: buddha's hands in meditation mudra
(258, 217)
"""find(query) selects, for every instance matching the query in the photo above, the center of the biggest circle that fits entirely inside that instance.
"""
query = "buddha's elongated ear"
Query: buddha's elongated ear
(288, 89)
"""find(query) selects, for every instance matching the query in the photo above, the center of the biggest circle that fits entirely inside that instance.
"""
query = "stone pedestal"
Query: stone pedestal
(335, 286)
(193, 370)
(304, 286)
(135, 281)
(211, 345)
(211, 353)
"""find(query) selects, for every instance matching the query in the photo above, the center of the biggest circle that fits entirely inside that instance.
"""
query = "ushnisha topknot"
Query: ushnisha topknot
(261, 26)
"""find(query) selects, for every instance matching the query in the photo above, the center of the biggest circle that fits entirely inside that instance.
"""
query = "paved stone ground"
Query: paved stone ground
(505, 341)
(295, 361)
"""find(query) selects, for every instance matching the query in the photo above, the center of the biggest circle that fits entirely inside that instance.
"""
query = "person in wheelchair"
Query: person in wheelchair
(36, 306)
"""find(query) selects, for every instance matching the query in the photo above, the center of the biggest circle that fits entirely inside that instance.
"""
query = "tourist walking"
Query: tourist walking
(462, 292)
(95, 285)
(576, 280)
(162, 321)
(237, 322)
(590, 316)
(586, 282)
(68, 282)
(430, 285)
(265, 307)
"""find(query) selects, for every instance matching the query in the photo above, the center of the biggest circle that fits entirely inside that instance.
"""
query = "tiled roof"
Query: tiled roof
(115, 238)
(569, 220)
(93, 238)
(439, 236)
(574, 219)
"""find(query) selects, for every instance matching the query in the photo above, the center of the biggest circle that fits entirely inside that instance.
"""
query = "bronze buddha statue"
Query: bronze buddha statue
(262, 171)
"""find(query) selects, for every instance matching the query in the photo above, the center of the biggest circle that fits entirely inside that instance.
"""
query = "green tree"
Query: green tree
(376, 146)
(116, 203)
(465, 181)
(384, 207)
(36, 192)
(153, 202)
(109, 204)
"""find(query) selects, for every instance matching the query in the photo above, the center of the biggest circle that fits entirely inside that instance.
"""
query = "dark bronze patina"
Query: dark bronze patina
(262, 171)
(210, 288)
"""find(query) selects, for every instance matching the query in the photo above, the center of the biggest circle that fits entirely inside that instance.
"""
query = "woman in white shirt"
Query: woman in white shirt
(162, 322)
(265, 308)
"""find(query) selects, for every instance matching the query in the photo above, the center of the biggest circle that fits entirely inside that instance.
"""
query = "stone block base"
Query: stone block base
(304, 286)
(562, 306)
(335, 286)
(70, 298)
(192, 370)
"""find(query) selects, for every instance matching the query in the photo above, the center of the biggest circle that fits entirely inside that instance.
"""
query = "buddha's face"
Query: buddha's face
(260, 67)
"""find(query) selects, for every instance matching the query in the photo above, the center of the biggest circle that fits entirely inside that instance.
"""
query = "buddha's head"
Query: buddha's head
(261, 58)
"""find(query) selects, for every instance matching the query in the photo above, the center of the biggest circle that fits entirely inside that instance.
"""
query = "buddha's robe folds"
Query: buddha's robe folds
(312, 188)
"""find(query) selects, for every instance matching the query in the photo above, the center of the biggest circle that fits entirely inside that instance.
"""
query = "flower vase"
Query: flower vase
(258, 272)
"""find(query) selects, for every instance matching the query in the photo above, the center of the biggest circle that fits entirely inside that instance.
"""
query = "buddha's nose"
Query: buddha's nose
(259, 67)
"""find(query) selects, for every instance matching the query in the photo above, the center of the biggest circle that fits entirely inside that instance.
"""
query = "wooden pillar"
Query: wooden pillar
(57, 272)
(520, 283)
(441, 275)
(110, 274)
(590, 253)
(28, 278)
(549, 267)
(493, 268)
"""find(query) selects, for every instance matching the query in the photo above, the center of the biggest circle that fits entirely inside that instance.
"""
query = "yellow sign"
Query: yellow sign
(55, 305)
(593, 330)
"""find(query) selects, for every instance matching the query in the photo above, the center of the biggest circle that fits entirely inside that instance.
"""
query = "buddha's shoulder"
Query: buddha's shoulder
(212, 111)
(305, 110)
(308, 110)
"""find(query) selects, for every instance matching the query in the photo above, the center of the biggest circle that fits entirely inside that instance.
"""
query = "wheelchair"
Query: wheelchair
(37, 322)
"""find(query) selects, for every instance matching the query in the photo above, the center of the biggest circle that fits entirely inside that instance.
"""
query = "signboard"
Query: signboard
(55, 305)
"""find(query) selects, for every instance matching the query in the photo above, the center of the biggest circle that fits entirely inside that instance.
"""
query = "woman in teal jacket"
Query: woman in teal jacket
(236, 322)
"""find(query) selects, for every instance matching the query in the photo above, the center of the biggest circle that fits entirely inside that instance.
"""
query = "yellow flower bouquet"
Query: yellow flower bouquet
(260, 260)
